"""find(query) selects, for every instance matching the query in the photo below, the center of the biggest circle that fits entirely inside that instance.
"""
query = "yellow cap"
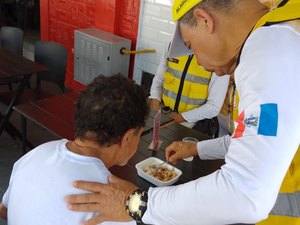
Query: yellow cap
(181, 7)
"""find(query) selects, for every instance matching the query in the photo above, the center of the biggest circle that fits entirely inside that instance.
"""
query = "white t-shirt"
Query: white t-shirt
(245, 189)
(217, 88)
(43, 178)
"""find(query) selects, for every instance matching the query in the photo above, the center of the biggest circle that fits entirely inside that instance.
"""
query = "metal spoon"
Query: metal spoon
(156, 167)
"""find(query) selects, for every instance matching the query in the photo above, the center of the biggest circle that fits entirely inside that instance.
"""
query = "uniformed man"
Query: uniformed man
(260, 180)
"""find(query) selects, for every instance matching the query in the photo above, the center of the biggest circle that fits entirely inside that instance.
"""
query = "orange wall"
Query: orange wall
(59, 19)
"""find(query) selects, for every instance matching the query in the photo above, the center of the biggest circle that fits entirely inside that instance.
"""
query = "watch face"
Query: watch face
(134, 203)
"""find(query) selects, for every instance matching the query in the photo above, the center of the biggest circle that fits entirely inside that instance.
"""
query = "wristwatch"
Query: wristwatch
(136, 204)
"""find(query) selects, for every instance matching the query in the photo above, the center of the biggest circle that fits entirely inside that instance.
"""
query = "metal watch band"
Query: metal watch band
(137, 216)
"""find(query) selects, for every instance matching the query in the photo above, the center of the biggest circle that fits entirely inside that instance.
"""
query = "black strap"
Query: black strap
(282, 3)
(188, 62)
(210, 127)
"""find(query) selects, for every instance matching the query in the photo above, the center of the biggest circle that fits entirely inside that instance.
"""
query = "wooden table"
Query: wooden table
(56, 115)
(14, 66)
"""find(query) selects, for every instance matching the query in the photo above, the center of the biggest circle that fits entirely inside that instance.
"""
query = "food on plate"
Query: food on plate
(160, 172)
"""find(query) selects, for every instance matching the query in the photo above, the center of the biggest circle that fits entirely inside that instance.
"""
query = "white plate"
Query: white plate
(141, 166)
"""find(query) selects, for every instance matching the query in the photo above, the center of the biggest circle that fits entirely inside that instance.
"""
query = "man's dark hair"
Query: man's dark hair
(108, 107)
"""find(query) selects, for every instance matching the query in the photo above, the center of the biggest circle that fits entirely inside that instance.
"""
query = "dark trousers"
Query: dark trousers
(209, 127)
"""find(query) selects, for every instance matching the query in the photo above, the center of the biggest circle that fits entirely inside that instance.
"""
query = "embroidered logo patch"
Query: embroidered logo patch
(251, 121)
(263, 121)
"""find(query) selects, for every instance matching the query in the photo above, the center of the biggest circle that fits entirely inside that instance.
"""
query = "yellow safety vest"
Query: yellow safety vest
(195, 86)
(286, 210)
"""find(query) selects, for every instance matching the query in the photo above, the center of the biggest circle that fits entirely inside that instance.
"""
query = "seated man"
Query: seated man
(108, 126)
(192, 93)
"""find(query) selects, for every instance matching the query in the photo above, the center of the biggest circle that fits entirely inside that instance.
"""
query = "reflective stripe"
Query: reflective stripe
(287, 204)
(195, 88)
(189, 77)
(184, 99)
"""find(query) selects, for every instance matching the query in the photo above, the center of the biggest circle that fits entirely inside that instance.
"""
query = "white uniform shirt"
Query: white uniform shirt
(43, 178)
(245, 189)
(217, 89)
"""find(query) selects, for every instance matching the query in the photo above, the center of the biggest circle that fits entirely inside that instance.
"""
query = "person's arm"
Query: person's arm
(216, 94)
(157, 85)
(178, 118)
(245, 189)
(110, 200)
(179, 150)
(158, 80)
(209, 149)
(215, 148)
(3, 211)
